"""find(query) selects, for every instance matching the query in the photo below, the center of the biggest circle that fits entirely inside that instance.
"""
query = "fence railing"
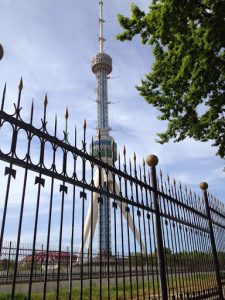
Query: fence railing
(161, 240)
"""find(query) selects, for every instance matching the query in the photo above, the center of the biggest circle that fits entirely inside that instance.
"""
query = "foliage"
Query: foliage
(6, 264)
(18, 296)
(187, 80)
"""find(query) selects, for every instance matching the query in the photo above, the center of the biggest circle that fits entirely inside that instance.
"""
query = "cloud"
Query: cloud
(51, 43)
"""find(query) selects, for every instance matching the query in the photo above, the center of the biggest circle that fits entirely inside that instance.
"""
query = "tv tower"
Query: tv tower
(102, 67)
(103, 145)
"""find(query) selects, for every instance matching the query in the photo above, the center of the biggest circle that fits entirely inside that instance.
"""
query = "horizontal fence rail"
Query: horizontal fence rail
(76, 225)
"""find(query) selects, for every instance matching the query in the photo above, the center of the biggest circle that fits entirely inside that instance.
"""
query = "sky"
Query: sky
(51, 44)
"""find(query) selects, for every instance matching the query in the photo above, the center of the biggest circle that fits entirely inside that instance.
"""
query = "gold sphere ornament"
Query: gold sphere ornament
(204, 186)
(1, 52)
(152, 160)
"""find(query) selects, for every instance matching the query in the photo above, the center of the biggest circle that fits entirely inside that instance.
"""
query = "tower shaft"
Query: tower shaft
(104, 226)
(103, 145)
(102, 100)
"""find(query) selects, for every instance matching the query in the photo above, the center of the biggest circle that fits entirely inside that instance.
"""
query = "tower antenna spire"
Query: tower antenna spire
(101, 33)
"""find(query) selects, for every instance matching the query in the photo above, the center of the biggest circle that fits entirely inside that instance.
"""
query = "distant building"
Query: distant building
(53, 256)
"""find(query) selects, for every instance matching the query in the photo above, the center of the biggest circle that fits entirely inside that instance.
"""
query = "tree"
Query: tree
(187, 80)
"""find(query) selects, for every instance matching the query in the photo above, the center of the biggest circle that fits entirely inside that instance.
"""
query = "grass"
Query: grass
(189, 283)
(76, 294)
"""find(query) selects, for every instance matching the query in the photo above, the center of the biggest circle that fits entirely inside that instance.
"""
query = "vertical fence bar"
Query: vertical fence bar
(152, 161)
(122, 241)
(9, 262)
(204, 187)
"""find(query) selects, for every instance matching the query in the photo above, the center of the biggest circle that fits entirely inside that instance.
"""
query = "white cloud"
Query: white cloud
(51, 43)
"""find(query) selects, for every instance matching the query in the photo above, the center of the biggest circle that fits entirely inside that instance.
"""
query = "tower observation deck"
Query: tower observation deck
(103, 144)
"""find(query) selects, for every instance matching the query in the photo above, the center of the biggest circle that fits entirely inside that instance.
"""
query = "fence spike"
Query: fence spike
(45, 111)
(66, 125)
(149, 177)
(20, 84)
(119, 160)
(168, 179)
(124, 159)
(113, 152)
(75, 136)
(143, 162)
(84, 138)
(66, 114)
(45, 101)
(124, 150)
(140, 173)
(56, 123)
(180, 186)
(3, 97)
(130, 166)
(135, 157)
(113, 149)
(92, 145)
(99, 133)
(85, 124)
(144, 171)
(160, 174)
(20, 87)
(32, 111)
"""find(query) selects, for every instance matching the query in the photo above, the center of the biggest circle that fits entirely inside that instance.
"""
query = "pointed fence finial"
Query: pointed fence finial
(99, 133)
(143, 162)
(113, 143)
(160, 174)
(32, 111)
(18, 108)
(4, 91)
(140, 173)
(66, 114)
(92, 145)
(85, 124)
(75, 136)
(168, 178)
(124, 150)
(66, 125)
(135, 157)
(56, 121)
(130, 164)
(20, 84)
(3, 97)
(1, 52)
(45, 101)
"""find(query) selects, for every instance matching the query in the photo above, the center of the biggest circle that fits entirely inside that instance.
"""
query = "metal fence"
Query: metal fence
(165, 242)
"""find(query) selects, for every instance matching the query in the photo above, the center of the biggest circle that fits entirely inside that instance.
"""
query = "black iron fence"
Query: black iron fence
(166, 242)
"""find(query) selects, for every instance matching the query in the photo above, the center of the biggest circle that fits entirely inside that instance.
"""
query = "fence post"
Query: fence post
(152, 161)
(204, 187)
